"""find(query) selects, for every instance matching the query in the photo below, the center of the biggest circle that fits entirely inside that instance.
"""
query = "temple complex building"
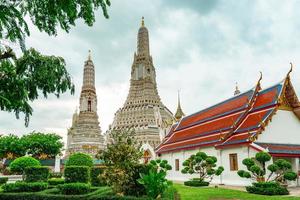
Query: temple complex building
(237, 128)
(143, 110)
(85, 133)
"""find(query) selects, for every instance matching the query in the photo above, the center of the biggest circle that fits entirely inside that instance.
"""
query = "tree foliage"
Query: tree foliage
(280, 170)
(120, 157)
(43, 145)
(11, 147)
(202, 164)
(21, 78)
(36, 144)
(154, 180)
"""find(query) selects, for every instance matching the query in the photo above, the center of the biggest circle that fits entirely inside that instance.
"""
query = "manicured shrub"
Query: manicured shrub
(196, 183)
(77, 174)
(56, 181)
(96, 178)
(38, 173)
(19, 164)
(80, 159)
(267, 188)
(21, 186)
(3, 180)
(74, 188)
(55, 175)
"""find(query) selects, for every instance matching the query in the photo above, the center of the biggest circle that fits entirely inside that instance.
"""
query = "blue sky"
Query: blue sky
(201, 47)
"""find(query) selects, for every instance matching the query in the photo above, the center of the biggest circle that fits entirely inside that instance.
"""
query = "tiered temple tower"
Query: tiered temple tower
(143, 110)
(85, 133)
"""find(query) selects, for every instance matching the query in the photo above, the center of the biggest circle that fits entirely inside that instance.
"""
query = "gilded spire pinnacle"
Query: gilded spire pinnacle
(237, 91)
(143, 22)
(179, 113)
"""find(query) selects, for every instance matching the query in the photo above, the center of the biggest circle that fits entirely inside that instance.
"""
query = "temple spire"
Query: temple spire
(143, 40)
(89, 74)
(89, 55)
(179, 113)
(237, 91)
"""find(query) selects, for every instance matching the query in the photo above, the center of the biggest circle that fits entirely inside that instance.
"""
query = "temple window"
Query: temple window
(89, 105)
(176, 164)
(233, 162)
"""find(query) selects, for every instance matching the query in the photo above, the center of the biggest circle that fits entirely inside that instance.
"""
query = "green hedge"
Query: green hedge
(20, 186)
(56, 181)
(74, 188)
(36, 173)
(196, 183)
(3, 180)
(96, 179)
(80, 159)
(75, 174)
(55, 175)
(267, 188)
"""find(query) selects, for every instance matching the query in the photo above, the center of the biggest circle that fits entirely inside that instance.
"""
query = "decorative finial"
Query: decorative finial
(260, 76)
(89, 56)
(237, 91)
(143, 22)
(291, 69)
(179, 113)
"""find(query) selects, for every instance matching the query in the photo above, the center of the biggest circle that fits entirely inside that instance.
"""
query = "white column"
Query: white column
(57, 164)
(297, 168)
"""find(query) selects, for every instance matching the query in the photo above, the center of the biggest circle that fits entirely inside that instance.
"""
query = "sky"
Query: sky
(200, 47)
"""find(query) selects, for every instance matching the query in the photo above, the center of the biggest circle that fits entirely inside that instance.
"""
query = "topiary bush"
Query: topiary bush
(80, 159)
(20, 164)
(56, 181)
(3, 180)
(77, 174)
(202, 164)
(96, 178)
(37, 173)
(74, 188)
(267, 188)
(196, 183)
(21, 186)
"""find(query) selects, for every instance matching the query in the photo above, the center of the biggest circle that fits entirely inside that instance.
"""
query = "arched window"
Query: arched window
(89, 105)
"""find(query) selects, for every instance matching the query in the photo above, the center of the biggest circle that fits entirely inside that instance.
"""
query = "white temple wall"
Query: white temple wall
(284, 128)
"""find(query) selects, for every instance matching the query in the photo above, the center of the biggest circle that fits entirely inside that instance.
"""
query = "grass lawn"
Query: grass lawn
(211, 193)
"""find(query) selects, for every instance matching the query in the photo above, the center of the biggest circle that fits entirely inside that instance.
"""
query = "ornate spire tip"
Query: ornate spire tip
(143, 21)
(89, 56)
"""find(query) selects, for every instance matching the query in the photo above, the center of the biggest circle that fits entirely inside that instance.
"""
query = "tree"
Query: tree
(280, 170)
(120, 158)
(33, 72)
(80, 159)
(202, 164)
(20, 164)
(155, 181)
(11, 147)
(43, 145)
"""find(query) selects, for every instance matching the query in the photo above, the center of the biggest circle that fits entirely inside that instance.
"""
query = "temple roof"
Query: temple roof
(235, 121)
(280, 149)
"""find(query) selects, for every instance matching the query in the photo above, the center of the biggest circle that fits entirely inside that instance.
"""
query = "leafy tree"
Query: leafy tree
(43, 145)
(202, 164)
(155, 180)
(280, 170)
(80, 159)
(33, 72)
(20, 164)
(11, 147)
(120, 157)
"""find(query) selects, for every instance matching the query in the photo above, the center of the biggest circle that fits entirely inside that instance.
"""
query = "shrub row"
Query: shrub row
(55, 175)
(3, 180)
(196, 183)
(36, 173)
(267, 188)
(56, 181)
(75, 174)
(20, 186)
(74, 188)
